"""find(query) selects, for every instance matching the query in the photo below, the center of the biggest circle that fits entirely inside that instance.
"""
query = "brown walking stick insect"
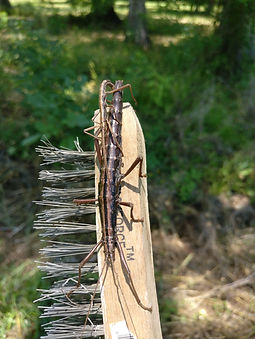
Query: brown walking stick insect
(109, 154)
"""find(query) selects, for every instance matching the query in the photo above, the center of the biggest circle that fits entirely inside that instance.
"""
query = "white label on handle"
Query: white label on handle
(120, 331)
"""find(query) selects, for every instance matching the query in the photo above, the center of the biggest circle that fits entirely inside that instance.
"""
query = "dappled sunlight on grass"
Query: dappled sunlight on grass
(19, 280)
(76, 37)
(18, 314)
(195, 20)
(59, 6)
(121, 8)
(22, 2)
(166, 40)
(186, 19)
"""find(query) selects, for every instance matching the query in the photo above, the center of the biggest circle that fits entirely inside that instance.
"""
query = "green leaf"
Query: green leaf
(30, 140)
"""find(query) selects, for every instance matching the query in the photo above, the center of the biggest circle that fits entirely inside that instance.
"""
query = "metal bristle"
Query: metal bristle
(65, 269)
(59, 249)
(52, 154)
(70, 310)
(59, 293)
(63, 227)
(67, 330)
(65, 176)
(62, 194)
(62, 211)
(58, 228)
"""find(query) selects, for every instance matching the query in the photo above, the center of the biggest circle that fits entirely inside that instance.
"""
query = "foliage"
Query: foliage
(237, 174)
(101, 6)
(191, 120)
(18, 314)
(167, 308)
(236, 35)
(48, 92)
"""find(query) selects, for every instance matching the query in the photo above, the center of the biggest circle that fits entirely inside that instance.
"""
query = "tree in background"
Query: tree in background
(206, 5)
(209, 5)
(103, 10)
(5, 4)
(101, 14)
(136, 28)
(236, 34)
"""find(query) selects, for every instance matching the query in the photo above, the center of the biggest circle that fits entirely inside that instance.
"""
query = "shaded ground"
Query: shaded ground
(206, 273)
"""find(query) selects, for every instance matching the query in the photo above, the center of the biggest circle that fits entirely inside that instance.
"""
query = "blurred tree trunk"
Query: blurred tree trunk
(102, 7)
(5, 4)
(136, 30)
(209, 6)
(236, 33)
(103, 10)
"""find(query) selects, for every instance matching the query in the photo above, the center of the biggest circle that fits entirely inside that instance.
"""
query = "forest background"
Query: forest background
(191, 66)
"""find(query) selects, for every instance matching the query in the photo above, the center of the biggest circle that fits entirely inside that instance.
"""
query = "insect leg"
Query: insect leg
(129, 204)
(130, 282)
(121, 88)
(137, 161)
(83, 262)
(84, 201)
(97, 139)
(91, 135)
(95, 290)
(98, 152)
(89, 128)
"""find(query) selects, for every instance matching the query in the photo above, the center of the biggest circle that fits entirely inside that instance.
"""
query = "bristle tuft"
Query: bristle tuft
(52, 155)
(68, 231)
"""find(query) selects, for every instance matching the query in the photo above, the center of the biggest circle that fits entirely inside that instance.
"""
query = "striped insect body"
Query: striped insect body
(109, 154)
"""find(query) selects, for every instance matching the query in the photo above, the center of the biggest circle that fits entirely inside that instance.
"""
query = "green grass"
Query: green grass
(18, 314)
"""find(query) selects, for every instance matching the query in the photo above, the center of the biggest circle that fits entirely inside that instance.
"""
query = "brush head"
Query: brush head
(68, 232)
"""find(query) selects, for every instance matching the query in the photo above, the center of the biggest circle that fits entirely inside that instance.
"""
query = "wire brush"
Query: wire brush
(67, 226)
(62, 227)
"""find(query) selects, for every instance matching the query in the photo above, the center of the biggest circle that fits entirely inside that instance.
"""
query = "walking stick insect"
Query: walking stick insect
(109, 153)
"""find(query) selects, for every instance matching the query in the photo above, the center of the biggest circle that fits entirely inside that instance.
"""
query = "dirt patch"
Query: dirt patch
(208, 274)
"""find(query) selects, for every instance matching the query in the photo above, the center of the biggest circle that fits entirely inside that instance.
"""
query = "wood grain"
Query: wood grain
(118, 301)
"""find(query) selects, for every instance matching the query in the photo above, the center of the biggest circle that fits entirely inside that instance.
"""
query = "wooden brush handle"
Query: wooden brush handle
(121, 311)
